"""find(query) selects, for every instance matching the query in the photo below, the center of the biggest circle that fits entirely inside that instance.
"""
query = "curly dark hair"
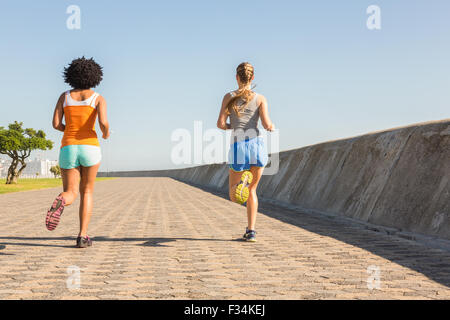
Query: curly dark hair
(83, 73)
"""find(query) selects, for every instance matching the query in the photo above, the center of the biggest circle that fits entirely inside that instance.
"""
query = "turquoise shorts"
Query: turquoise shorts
(74, 156)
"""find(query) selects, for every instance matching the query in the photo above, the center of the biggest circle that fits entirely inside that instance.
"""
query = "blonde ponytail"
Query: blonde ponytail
(245, 72)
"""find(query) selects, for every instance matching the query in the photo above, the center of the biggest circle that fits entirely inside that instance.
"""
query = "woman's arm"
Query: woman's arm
(58, 114)
(102, 117)
(264, 115)
(222, 121)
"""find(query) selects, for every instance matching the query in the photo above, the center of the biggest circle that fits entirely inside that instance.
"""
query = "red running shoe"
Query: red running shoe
(54, 213)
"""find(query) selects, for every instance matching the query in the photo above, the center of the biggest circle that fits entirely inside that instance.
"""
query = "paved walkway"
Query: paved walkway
(157, 238)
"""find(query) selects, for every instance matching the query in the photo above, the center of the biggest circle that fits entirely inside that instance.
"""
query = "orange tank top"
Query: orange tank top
(80, 119)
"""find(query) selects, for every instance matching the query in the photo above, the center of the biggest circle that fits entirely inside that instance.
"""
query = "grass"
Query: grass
(34, 184)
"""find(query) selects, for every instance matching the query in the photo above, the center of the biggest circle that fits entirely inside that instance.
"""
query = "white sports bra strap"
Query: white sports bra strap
(66, 97)
(94, 98)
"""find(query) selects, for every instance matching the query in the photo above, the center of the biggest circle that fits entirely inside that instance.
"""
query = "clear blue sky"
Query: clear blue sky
(168, 63)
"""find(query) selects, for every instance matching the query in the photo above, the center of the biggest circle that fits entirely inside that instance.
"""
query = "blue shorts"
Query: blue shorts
(247, 153)
(75, 155)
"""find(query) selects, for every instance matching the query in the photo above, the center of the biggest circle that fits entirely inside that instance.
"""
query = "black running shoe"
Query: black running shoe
(84, 242)
(250, 235)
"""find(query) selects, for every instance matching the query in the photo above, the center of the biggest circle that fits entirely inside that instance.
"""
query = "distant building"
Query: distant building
(42, 167)
(35, 168)
(4, 165)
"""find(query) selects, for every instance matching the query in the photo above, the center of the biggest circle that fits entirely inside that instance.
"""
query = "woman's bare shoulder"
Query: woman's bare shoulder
(260, 99)
(101, 101)
(227, 97)
(62, 97)
(230, 93)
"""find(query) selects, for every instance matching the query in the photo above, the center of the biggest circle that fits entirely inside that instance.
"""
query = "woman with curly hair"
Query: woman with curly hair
(80, 153)
(248, 155)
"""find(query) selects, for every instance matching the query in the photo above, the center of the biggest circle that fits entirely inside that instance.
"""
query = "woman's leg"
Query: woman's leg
(71, 181)
(71, 178)
(252, 202)
(88, 175)
(233, 180)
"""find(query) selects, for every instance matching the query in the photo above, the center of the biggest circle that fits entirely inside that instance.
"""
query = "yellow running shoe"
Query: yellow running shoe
(242, 192)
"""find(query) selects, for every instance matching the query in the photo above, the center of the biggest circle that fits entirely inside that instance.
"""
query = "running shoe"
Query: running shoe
(242, 192)
(84, 242)
(250, 235)
(54, 213)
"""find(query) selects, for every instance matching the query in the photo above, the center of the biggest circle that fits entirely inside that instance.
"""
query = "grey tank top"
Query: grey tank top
(245, 126)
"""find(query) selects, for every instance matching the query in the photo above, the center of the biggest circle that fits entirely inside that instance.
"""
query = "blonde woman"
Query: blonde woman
(248, 155)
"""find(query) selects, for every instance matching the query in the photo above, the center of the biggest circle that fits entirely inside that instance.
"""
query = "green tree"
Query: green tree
(56, 170)
(17, 143)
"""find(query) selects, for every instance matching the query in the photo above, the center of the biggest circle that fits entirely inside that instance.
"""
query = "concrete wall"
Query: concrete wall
(397, 178)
